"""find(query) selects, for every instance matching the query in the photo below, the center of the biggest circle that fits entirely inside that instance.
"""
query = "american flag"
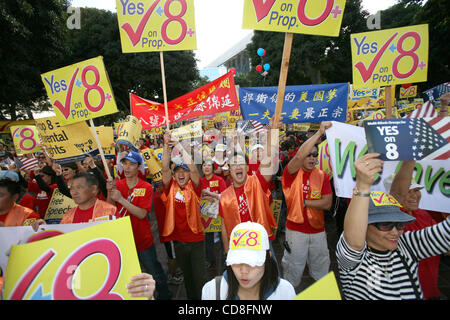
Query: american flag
(425, 111)
(28, 163)
(431, 138)
(250, 126)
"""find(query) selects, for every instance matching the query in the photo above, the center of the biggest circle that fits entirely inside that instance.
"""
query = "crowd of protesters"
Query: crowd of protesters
(383, 252)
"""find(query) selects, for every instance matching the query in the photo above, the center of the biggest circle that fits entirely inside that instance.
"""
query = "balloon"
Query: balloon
(233, 70)
(261, 52)
(259, 68)
(266, 67)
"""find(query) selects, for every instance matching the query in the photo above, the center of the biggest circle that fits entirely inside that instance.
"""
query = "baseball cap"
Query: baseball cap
(248, 244)
(388, 183)
(181, 165)
(134, 157)
(385, 208)
(9, 174)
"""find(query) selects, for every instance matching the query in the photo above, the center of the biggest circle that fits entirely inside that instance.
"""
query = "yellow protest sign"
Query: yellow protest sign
(94, 263)
(391, 56)
(156, 25)
(325, 288)
(153, 163)
(129, 132)
(190, 131)
(318, 17)
(80, 91)
(26, 139)
(106, 137)
(58, 206)
(374, 102)
(409, 92)
(69, 143)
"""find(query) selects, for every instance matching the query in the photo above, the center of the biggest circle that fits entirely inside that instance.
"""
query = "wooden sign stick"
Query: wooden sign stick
(283, 75)
(388, 96)
(100, 149)
(163, 79)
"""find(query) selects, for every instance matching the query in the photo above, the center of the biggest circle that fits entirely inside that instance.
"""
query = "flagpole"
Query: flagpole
(283, 75)
(163, 79)
(100, 149)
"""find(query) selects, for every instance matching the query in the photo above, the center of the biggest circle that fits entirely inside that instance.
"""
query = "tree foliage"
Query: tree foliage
(33, 42)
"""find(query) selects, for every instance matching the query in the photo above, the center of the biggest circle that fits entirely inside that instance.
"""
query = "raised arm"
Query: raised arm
(195, 175)
(402, 180)
(268, 167)
(356, 218)
(297, 161)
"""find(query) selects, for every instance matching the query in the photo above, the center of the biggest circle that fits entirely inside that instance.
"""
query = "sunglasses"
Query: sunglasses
(388, 226)
(315, 154)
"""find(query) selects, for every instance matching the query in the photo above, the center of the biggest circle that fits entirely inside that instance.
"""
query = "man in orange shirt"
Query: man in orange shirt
(308, 193)
(247, 198)
(11, 213)
(182, 223)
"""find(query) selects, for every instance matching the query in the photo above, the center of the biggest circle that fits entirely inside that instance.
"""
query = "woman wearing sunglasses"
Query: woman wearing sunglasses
(376, 258)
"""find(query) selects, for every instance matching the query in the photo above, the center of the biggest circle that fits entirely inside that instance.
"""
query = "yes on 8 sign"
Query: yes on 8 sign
(26, 139)
(156, 25)
(389, 57)
(80, 91)
(317, 17)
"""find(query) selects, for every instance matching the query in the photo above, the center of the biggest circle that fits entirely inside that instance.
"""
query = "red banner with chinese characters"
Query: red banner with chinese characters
(215, 97)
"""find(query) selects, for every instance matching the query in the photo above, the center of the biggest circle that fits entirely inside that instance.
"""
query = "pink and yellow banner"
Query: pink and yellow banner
(318, 17)
(26, 139)
(95, 263)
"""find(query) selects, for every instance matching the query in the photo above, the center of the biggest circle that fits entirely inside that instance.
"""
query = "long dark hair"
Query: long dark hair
(268, 281)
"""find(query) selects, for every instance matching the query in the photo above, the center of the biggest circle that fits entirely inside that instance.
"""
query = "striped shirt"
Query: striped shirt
(372, 275)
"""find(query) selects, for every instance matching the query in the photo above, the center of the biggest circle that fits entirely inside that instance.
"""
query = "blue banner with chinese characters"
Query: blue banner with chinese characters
(311, 103)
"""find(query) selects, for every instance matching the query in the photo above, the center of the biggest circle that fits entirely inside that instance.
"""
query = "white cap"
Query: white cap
(388, 183)
(248, 244)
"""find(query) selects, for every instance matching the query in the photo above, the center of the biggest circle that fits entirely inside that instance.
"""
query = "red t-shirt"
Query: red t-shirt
(242, 200)
(160, 212)
(32, 216)
(429, 267)
(305, 227)
(81, 216)
(29, 201)
(216, 184)
(42, 198)
(141, 196)
(253, 167)
(181, 231)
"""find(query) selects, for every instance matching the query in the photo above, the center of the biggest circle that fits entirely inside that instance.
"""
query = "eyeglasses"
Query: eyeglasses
(388, 226)
(315, 154)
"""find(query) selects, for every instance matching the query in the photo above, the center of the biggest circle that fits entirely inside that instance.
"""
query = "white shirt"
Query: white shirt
(284, 291)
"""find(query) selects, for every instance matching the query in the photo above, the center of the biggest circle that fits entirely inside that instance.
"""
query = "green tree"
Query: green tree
(33, 42)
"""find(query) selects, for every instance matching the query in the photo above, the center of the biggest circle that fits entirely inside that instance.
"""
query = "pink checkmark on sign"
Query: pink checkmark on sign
(262, 8)
(135, 36)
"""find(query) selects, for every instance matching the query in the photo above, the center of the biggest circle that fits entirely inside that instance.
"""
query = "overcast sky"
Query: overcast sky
(218, 23)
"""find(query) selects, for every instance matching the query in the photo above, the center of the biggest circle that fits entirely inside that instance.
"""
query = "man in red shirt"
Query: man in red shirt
(182, 223)
(133, 197)
(308, 193)
(407, 192)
